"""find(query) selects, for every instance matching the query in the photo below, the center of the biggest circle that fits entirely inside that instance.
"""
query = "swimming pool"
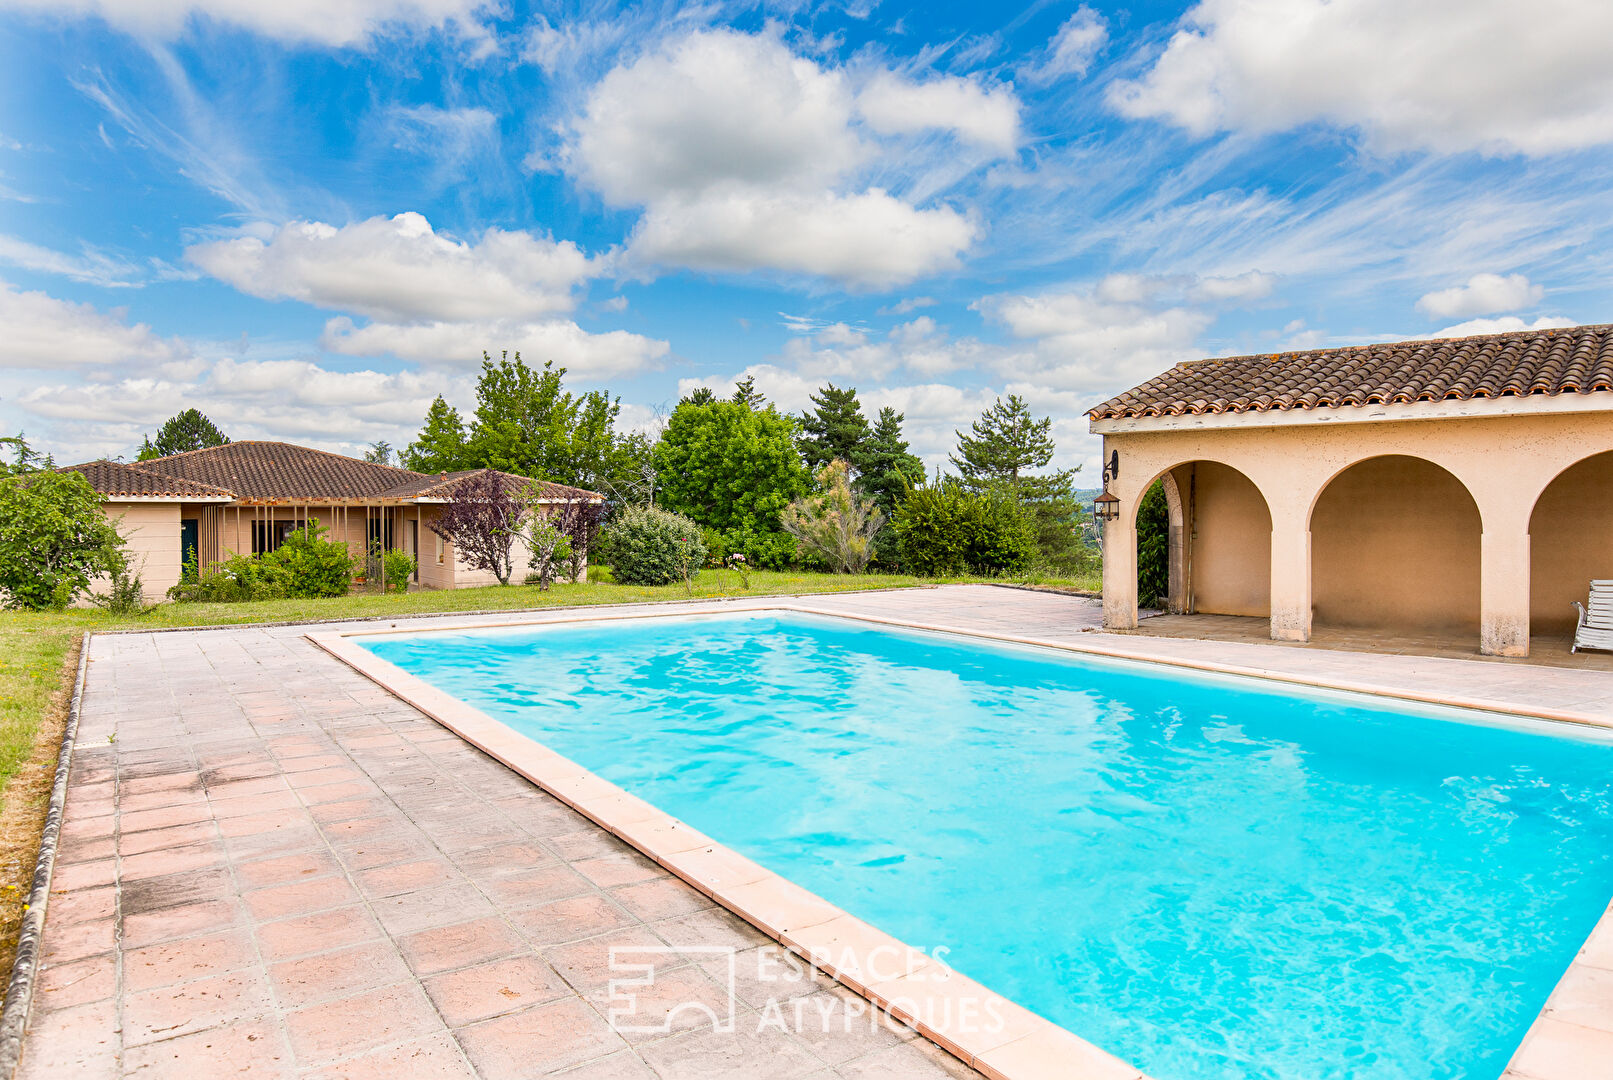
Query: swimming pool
(1206, 876)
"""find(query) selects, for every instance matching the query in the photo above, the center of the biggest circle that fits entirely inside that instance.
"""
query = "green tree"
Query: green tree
(1153, 546)
(700, 395)
(53, 537)
(835, 522)
(745, 393)
(887, 468)
(523, 419)
(1003, 448)
(732, 469)
(835, 429)
(946, 528)
(379, 453)
(440, 446)
(188, 430)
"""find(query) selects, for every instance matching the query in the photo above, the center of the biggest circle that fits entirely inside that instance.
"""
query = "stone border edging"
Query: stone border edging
(25, 969)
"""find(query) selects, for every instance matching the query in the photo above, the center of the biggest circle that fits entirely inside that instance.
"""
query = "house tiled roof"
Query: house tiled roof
(114, 478)
(1575, 360)
(441, 485)
(277, 470)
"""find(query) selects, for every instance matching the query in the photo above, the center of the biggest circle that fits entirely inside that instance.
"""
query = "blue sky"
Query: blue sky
(308, 219)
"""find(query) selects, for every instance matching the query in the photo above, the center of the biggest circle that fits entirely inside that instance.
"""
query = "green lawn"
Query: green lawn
(32, 644)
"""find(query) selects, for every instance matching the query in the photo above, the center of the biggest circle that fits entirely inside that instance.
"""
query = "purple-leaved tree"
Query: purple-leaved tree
(580, 522)
(482, 518)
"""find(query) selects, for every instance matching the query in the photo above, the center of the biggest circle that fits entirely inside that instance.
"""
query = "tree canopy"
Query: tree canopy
(440, 446)
(53, 536)
(834, 429)
(188, 430)
(886, 466)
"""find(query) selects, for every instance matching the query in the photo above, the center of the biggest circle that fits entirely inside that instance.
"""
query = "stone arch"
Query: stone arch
(1395, 545)
(1570, 541)
(1220, 538)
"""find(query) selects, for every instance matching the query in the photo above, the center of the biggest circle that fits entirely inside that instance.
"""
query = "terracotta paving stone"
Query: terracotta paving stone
(742, 1054)
(79, 982)
(665, 898)
(428, 908)
(179, 922)
(681, 999)
(177, 860)
(149, 1015)
(82, 905)
(537, 1041)
(166, 839)
(76, 1041)
(444, 948)
(253, 1048)
(63, 943)
(631, 868)
(281, 869)
(173, 890)
(587, 965)
(192, 958)
(492, 989)
(299, 898)
(562, 921)
(405, 877)
(436, 1058)
(323, 1033)
(315, 933)
(530, 887)
(339, 972)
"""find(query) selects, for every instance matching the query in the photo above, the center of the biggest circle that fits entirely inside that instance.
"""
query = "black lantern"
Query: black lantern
(1106, 507)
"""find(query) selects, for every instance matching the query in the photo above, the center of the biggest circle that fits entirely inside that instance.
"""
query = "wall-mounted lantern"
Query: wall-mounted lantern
(1106, 507)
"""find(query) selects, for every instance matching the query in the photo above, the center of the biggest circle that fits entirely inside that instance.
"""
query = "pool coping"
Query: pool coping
(928, 996)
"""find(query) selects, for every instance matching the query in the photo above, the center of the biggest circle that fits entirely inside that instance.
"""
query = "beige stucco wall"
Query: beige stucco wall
(1571, 542)
(1504, 453)
(152, 532)
(1414, 567)
(1228, 540)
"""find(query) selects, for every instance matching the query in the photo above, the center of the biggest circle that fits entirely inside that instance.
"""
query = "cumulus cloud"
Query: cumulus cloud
(1505, 325)
(588, 355)
(1074, 47)
(1254, 285)
(744, 156)
(870, 239)
(988, 117)
(44, 332)
(1451, 75)
(400, 269)
(350, 22)
(1482, 295)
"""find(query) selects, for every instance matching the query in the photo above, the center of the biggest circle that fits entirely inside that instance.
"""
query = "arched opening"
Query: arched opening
(1570, 542)
(1219, 544)
(1395, 546)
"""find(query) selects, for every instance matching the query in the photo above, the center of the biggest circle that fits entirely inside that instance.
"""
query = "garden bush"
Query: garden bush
(53, 539)
(397, 567)
(1153, 546)
(304, 566)
(651, 546)
(943, 529)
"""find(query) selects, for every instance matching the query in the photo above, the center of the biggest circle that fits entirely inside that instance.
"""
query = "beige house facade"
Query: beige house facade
(245, 497)
(1460, 486)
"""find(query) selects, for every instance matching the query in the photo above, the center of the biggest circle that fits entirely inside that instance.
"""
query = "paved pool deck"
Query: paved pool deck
(271, 867)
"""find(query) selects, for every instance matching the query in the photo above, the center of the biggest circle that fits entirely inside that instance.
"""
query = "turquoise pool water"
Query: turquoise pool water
(1209, 877)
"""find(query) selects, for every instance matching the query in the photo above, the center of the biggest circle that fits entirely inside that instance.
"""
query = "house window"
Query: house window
(381, 533)
(439, 548)
(269, 535)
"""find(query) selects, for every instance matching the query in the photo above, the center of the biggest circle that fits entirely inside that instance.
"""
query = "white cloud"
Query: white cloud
(987, 117)
(399, 269)
(909, 305)
(871, 239)
(1482, 295)
(43, 332)
(745, 156)
(1505, 325)
(586, 355)
(91, 268)
(1448, 75)
(1074, 47)
(1254, 285)
(348, 22)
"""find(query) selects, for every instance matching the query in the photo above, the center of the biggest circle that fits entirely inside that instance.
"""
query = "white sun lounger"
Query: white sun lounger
(1595, 629)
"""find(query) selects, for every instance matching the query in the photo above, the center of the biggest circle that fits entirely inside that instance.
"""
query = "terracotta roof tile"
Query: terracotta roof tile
(1574, 360)
(114, 478)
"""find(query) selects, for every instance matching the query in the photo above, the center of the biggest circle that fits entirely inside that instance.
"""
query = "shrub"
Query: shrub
(126, 593)
(943, 529)
(651, 546)
(835, 522)
(307, 565)
(549, 548)
(397, 567)
(1153, 546)
(237, 579)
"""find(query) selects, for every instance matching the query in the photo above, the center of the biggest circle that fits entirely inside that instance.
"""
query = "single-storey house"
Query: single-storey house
(246, 497)
(1459, 484)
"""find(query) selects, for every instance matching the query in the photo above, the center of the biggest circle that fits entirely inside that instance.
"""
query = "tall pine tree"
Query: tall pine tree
(887, 468)
(746, 394)
(440, 446)
(188, 430)
(835, 430)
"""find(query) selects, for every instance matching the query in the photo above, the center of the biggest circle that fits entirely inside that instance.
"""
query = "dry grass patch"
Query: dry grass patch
(37, 671)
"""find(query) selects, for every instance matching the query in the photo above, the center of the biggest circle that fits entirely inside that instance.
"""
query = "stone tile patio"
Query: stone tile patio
(271, 867)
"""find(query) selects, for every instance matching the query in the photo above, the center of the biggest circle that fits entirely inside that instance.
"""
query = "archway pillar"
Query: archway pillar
(1504, 569)
(1120, 572)
(1290, 573)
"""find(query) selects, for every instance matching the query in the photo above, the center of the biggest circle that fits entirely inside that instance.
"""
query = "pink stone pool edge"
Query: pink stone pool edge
(1573, 1031)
